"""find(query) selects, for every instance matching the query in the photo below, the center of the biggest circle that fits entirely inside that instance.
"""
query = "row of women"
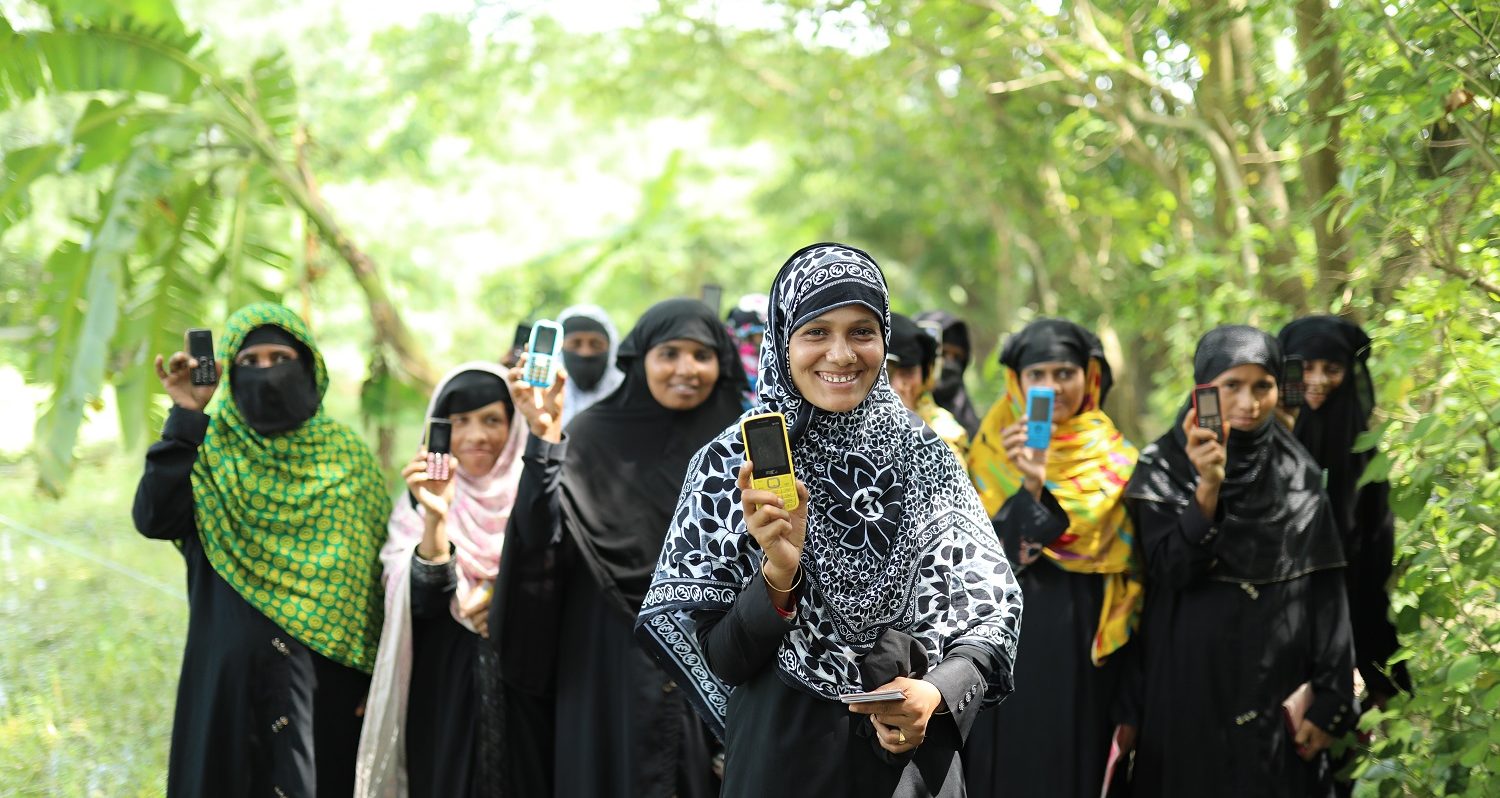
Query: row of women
(598, 602)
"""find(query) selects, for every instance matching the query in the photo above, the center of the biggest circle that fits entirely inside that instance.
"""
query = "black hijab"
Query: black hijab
(628, 454)
(1276, 524)
(1330, 431)
(1059, 340)
(469, 391)
(950, 393)
(277, 398)
(910, 346)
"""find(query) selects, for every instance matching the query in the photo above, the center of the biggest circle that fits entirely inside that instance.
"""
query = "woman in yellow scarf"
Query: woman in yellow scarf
(1058, 512)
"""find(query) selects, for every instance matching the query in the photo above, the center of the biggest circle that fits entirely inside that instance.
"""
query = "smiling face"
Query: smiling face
(1323, 377)
(681, 373)
(836, 358)
(1247, 395)
(479, 436)
(1065, 378)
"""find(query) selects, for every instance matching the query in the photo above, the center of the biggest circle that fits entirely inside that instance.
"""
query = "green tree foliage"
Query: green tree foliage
(1148, 168)
(194, 201)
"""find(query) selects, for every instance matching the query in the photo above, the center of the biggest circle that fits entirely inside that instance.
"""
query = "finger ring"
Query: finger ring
(901, 736)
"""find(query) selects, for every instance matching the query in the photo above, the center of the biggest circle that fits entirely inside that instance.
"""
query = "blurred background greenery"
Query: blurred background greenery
(417, 178)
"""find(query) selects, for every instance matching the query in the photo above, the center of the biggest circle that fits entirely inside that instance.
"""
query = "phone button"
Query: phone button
(773, 482)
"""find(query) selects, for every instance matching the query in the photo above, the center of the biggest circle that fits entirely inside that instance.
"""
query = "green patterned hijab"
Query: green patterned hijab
(294, 522)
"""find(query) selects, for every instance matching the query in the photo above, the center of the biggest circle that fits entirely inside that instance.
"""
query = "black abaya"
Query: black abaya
(257, 711)
(1221, 656)
(1051, 737)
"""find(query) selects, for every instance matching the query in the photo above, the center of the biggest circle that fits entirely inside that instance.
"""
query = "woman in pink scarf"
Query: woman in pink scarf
(434, 720)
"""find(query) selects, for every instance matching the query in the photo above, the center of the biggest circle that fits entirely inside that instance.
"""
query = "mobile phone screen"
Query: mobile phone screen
(439, 436)
(1208, 404)
(1039, 408)
(545, 338)
(523, 333)
(767, 449)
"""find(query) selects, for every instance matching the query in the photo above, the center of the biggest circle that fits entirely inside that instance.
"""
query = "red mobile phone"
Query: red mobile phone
(1206, 403)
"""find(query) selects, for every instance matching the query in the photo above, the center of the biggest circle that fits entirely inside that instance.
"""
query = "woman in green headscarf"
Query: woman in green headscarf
(279, 512)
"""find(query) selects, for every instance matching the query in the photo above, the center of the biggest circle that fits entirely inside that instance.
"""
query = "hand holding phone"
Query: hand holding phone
(1032, 463)
(1204, 429)
(439, 449)
(1293, 384)
(542, 409)
(182, 375)
(543, 353)
(1039, 402)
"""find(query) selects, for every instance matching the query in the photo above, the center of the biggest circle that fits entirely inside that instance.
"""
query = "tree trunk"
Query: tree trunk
(1317, 39)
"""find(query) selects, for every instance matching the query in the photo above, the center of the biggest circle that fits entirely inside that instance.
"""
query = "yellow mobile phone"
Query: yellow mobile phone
(770, 455)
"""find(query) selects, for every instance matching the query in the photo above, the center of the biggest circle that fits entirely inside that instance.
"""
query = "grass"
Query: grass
(92, 619)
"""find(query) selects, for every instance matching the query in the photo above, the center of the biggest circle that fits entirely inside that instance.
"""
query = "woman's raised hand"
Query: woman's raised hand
(433, 494)
(779, 533)
(1208, 457)
(542, 409)
(176, 375)
(1032, 463)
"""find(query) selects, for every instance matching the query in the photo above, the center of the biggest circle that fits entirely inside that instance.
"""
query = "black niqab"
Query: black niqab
(277, 398)
(1276, 524)
(628, 454)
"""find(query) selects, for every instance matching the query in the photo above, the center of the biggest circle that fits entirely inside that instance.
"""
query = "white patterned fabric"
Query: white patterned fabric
(896, 536)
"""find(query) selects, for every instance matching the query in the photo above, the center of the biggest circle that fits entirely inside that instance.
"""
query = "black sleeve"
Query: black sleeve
(742, 641)
(961, 678)
(164, 498)
(1026, 519)
(536, 518)
(1369, 602)
(1333, 655)
(432, 585)
(1178, 544)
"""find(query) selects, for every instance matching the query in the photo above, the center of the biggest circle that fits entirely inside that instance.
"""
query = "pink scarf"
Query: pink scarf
(476, 524)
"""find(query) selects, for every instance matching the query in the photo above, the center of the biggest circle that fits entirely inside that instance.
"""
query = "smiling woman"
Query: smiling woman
(623, 728)
(888, 575)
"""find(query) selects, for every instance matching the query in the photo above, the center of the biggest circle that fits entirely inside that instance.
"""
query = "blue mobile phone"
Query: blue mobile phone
(542, 353)
(1039, 417)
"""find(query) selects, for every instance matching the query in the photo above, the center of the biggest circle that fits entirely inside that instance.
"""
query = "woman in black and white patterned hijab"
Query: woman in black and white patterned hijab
(889, 576)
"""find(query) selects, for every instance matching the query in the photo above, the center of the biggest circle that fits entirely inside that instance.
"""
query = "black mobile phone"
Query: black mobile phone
(439, 445)
(200, 343)
(1293, 383)
(517, 346)
(1206, 402)
(713, 296)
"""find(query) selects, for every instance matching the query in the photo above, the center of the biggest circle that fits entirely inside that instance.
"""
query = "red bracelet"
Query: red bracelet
(786, 615)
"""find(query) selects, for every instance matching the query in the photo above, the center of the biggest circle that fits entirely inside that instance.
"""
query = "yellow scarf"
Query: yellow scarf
(1088, 465)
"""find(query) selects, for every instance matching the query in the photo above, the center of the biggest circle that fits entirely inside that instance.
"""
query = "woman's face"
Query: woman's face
(1067, 379)
(264, 356)
(1323, 377)
(479, 436)
(681, 373)
(836, 358)
(906, 381)
(1247, 396)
